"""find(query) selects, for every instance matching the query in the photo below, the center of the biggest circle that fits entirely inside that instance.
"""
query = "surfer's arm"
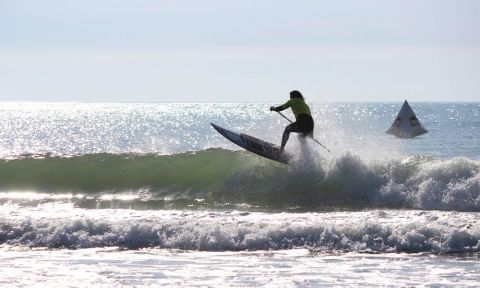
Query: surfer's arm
(277, 109)
(281, 107)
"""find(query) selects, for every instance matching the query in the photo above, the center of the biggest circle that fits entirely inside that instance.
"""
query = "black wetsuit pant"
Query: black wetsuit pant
(303, 126)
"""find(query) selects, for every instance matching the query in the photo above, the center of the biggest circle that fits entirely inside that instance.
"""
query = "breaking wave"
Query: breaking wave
(371, 232)
(218, 177)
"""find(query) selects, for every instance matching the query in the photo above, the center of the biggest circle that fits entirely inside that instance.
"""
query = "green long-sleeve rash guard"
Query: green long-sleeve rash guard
(298, 107)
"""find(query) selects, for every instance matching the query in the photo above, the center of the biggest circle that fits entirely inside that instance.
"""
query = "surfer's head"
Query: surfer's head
(296, 94)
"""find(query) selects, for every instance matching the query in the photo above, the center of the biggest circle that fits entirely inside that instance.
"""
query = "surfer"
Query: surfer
(304, 121)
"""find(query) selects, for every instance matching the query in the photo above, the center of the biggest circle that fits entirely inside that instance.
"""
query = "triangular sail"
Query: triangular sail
(406, 124)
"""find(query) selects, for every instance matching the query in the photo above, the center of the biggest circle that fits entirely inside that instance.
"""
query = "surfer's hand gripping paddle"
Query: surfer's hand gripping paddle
(292, 122)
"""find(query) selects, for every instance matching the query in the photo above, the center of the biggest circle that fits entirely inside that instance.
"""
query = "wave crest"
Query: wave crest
(221, 177)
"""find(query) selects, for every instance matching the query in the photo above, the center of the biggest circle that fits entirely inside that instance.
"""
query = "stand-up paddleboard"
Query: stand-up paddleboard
(252, 144)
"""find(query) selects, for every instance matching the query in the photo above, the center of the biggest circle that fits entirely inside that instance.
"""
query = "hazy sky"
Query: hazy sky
(239, 51)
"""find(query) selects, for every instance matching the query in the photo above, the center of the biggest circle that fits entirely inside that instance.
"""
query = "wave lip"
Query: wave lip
(452, 184)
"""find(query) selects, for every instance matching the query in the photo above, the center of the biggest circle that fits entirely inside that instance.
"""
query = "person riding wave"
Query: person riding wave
(304, 121)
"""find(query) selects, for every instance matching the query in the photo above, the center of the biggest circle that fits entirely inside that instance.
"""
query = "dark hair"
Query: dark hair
(296, 94)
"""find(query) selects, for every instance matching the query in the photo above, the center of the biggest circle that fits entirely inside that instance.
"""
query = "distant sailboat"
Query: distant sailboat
(406, 125)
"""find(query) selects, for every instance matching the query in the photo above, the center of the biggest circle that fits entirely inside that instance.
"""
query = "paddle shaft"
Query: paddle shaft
(312, 136)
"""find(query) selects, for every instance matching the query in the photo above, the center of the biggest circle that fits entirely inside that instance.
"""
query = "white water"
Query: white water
(63, 226)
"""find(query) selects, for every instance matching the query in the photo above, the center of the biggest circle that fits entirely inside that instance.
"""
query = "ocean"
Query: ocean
(149, 194)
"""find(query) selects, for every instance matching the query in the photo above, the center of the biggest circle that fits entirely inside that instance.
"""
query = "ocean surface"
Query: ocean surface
(149, 194)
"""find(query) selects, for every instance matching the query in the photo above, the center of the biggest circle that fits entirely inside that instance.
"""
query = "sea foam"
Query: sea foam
(367, 231)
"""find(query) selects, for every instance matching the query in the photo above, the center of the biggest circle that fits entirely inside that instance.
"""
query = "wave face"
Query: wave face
(372, 231)
(217, 177)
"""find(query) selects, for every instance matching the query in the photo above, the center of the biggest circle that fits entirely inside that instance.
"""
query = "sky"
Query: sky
(239, 51)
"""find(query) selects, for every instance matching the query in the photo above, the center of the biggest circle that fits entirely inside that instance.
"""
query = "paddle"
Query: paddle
(312, 136)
